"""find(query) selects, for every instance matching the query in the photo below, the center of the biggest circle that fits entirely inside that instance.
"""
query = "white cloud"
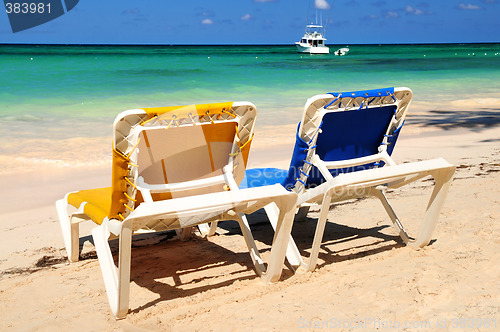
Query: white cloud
(415, 11)
(468, 6)
(321, 4)
(391, 14)
(207, 21)
(246, 17)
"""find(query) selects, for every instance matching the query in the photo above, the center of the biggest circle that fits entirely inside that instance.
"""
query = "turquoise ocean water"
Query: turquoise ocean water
(56, 93)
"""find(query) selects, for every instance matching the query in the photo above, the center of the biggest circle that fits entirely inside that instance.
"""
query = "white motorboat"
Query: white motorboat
(342, 51)
(313, 41)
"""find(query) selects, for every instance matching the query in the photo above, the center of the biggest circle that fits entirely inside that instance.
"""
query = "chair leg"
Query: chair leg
(320, 229)
(208, 229)
(204, 229)
(250, 242)
(213, 228)
(443, 179)
(292, 254)
(283, 229)
(69, 230)
(394, 218)
(117, 282)
(302, 213)
(281, 239)
(184, 234)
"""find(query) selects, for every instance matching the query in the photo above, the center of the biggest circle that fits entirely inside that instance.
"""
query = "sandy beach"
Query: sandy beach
(366, 278)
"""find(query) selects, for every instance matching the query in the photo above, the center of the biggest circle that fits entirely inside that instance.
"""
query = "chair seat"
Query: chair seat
(97, 203)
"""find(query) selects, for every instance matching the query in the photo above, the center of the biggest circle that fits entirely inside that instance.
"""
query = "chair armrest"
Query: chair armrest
(146, 189)
(393, 176)
(212, 205)
(382, 156)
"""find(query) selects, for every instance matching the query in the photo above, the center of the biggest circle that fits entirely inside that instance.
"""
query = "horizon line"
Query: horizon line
(184, 45)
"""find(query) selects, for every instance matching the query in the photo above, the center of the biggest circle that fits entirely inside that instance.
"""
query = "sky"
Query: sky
(193, 22)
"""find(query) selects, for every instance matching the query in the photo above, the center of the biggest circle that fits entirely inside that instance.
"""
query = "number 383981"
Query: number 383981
(27, 8)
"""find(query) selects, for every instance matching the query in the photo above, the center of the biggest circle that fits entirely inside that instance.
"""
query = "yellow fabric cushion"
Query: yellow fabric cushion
(183, 111)
(98, 203)
(118, 185)
(245, 150)
(110, 202)
(105, 202)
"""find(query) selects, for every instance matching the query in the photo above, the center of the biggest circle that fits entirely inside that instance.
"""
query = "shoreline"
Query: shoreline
(272, 147)
(66, 149)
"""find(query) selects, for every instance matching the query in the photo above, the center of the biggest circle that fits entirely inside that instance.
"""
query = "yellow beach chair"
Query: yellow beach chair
(343, 151)
(174, 168)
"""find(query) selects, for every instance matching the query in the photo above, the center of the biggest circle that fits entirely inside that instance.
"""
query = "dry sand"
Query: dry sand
(366, 278)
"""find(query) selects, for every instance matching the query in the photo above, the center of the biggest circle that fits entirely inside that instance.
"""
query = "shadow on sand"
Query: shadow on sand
(175, 269)
(474, 119)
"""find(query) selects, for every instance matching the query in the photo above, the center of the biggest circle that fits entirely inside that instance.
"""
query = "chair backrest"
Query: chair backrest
(168, 145)
(347, 125)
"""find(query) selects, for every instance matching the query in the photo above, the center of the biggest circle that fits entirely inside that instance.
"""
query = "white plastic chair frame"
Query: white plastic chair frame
(193, 211)
(125, 141)
(370, 182)
(183, 212)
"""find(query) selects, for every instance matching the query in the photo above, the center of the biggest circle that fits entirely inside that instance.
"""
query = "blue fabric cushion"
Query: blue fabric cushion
(258, 177)
(298, 156)
(351, 134)
(344, 135)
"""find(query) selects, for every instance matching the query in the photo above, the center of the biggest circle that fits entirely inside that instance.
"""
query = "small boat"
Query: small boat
(342, 51)
(313, 41)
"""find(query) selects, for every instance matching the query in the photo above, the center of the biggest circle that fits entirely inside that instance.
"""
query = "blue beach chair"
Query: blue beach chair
(343, 151)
